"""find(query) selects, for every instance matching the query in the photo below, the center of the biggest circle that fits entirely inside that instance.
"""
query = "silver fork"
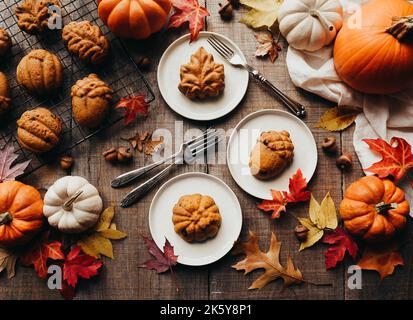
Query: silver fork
(233, 58)
(188, 153)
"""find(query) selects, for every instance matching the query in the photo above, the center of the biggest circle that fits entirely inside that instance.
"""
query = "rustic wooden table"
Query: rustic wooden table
(122, 279)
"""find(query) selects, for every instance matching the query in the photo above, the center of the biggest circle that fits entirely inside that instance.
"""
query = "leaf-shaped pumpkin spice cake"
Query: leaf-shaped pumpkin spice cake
(202, 77)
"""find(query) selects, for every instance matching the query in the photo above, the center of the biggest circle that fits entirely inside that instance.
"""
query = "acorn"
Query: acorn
(301, 232)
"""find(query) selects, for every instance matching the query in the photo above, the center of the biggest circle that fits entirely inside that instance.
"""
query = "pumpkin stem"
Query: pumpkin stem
(383, 208)
(68, 205)
(316, 14)
(5, 218)
(402, 29)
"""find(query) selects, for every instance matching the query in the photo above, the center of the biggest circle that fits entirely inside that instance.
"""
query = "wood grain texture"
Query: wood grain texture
(122, 279)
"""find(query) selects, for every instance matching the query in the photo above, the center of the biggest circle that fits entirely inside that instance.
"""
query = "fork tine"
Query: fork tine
(223, 44)
(218, 44)
(215, 142)
(218, 49)
(200, 137)
(198, 144)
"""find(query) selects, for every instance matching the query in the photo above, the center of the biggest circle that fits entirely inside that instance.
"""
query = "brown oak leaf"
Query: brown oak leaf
(8, 171)
(270, 262)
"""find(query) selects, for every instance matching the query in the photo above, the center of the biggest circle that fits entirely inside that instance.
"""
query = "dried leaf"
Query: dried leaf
(262, 13)
(314, 210)
(152, 146)
(133, 106)
(397, 157)
(40, 252)
(270, 262)
(138, 140)
(337, 119)
(8, 171)
(188, 11)
(268, 45)
(163, 261)
(8, 262)
(313, 236)
(341, 242)
(383, 259)
(99, 242)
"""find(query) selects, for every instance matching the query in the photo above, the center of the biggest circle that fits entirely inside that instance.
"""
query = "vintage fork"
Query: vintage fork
(233, 58)
(188, 153)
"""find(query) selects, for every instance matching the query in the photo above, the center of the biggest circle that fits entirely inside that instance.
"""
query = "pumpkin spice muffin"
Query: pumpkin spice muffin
(5, 101)
(40, 72)
(272, 153)
(39, 130)
(5, 42)
(196, 218)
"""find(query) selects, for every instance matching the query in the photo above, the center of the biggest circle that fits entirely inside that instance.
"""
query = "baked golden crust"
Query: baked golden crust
(202, 77)
(272, 153)
(34, 15)
(40, 72)
(196, 218)
(5, 101)
(86, 41)
(39, 130)
(91, 99)
(5, 42)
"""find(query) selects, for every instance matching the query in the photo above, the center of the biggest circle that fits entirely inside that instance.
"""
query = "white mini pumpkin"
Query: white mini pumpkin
(310, 24)
(72, 205)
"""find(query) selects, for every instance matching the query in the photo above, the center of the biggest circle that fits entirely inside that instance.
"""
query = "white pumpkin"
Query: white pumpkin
(72, 205)
(310, 24)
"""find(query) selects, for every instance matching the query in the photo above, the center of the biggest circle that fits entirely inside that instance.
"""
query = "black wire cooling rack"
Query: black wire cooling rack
(120, 72)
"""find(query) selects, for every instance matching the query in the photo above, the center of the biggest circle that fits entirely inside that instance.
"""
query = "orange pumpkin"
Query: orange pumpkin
(21, 213)
(136, 19)
(374, 209)
(377, 56)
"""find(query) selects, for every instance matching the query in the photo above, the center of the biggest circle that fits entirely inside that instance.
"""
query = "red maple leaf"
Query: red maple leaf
(40, 252)
(163, 261)
(397, 157)
(277, 205)
(188, 11)
(297, 193)
(297, 189)
(67, 292)
(341, 242)
(79, 264)
(133, 106)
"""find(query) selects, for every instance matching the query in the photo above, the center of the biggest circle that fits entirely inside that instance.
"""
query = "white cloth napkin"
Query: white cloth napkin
(383, 116)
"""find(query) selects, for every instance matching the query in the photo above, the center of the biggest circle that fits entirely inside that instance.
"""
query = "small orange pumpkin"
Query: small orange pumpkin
(374, 209)
(377, 56)
(21, 213)
(136, 19)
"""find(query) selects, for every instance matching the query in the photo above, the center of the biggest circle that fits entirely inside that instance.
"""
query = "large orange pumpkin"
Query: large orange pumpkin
(377, 56)
(21, 213)
(136, 19)
(374, 209)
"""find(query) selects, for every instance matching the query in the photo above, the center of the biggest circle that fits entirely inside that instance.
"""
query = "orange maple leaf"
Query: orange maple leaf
(397, 157)
(384, 259)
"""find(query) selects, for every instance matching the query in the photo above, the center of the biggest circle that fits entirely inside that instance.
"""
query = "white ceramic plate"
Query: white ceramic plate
(245, 136)
(178, 53)
(160, 217)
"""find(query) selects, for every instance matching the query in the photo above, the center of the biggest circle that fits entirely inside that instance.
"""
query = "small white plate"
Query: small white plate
(178, 53)
(248, 131)
(160, 218)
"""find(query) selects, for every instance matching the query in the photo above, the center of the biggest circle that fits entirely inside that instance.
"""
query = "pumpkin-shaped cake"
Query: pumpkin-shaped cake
(5, 42)
(34, 16)
(374, 209)
(272, 153)
(40, 72)
(202, 77)
(39, 130)
(21, 213)
(86, 41)
(5, 101)
(196, 218)
(91, 101)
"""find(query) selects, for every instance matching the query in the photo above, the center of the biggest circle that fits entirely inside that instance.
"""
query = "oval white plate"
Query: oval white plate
(248, 131)
(178, 53)
(160, 218)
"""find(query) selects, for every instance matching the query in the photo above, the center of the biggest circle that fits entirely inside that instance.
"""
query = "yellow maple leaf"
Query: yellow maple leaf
(337, 119)
(99, 241)
(262, 13)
